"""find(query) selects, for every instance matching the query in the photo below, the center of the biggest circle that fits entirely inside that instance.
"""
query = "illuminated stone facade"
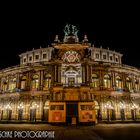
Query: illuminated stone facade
(68, 77)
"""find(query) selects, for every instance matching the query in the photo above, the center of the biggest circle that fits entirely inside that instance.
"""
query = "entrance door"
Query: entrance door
(45, 114)
(110, 114)
(20, 114)
(122, 114)
(133, 113)
(71, 81)
(9, 114)
(33, 115)
(1, 114)
(71, 111)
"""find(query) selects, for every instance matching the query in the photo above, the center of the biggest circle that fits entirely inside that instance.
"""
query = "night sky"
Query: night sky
(110, 25)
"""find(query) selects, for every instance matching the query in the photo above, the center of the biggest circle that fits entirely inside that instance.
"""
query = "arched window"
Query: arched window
(35, 82)
(23, 82)
(122, 105)
(4, 85)
(118, 82)
(107, 81)
(95, 81)
(47, 81)
(12, 84)
(128, 83)
(108, 105)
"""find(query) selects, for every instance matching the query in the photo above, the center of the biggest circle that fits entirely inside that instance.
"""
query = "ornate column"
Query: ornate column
(101, 79)
(83, 74)
(8, 83)
(133, 82)
(123, 80)
(55, 73)
(113, 79)
(1, 83)
(59, 73)
(28, 80)
(87, 73)
(90, 73)
(18, 84)
(41, 79)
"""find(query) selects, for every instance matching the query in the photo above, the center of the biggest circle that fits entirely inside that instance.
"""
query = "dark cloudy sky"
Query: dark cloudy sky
(25, 26)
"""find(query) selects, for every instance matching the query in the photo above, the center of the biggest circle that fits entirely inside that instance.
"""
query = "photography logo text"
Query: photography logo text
(27, 134)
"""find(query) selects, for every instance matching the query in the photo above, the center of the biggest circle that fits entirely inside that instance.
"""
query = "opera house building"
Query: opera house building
(70, 81)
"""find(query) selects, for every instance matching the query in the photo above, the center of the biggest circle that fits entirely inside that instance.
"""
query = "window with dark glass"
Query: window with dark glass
(97, 55)
(44, 55)
(104, 56)
(30, 58)
(57, 107)
(37, 57)
(24, 60)
(86, 107)
(111, 58)
(116, 59)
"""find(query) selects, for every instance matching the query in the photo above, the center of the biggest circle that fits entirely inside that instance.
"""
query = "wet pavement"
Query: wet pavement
(98, 132)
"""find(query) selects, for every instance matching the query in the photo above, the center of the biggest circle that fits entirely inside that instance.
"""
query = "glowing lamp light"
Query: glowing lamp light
(108, 106)
(122, 106)
(20, 106)
(134, 106)
(35, 106)
(8, 107)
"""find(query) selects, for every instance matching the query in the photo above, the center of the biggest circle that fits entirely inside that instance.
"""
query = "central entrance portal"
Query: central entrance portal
(71, 75)
(71, 111)
(71, 81)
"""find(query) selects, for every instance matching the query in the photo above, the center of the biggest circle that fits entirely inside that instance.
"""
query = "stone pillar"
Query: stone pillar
(18, 84)
(55, 73)
(133, 83)
(0, 83)
(113, 79)
(54, 96)
(138, 84)
(59, 74)
(29, 80)
(41, 72)
(83, 74)
(120, 61)
(100, 79)
(8, 83)
(123, 80)
(41, 107)
(87, 73)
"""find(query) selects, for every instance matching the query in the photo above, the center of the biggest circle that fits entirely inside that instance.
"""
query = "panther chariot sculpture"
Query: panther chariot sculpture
(70, 33)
